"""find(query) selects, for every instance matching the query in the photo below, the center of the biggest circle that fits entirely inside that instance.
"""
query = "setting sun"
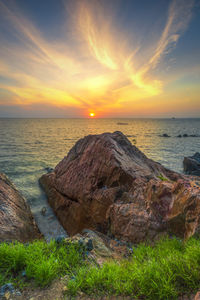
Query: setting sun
(92, 114)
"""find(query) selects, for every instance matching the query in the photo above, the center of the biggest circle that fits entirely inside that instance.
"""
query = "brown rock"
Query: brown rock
(191, 164)
(16, 221)
(197, 296)
(107, 184)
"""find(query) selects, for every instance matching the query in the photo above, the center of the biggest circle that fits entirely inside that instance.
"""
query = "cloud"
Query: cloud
(92, 66)
(179, 16)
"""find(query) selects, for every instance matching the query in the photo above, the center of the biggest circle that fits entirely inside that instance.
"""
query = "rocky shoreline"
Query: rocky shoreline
(16, 219)
(108, 195)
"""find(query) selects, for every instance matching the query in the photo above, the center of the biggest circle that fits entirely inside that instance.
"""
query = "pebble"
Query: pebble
(90, 245)
(8, 287)
(7, 290)
(65, 289)
(60, 239)
(43, 211)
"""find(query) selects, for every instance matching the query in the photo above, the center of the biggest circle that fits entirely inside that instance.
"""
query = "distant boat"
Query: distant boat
(121, 123)
(173, 118)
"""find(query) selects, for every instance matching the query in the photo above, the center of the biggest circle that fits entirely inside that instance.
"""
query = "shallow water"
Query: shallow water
(29, 146)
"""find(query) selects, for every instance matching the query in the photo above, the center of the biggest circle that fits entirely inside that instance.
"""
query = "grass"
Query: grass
(161, 177)
(163, 271)
(38, 261)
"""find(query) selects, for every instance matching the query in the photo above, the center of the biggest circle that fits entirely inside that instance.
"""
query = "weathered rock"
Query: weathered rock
(94, 243)
(16, 221)
(107, 184)
(43, 211)
(7, 291)
(197, 296)
(191, 164)
(165, 135)
(100, 247)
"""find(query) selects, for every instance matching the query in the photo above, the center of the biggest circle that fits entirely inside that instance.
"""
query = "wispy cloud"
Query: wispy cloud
(179, 16)
(98, 71)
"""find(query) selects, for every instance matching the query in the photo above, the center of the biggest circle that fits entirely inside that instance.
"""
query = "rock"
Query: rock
(191, 164)
(43, 211)
(23, 273)
(8, 290)
(89, 245)
(49, 169)
(187, 135)
(194, 135)
(197, 296)
(107, 184)
(16, 220)
(99, 246)
(165, 135)
(92, 242)
(59, 239)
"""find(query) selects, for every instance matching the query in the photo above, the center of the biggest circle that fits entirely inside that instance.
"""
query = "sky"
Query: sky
(116, 58)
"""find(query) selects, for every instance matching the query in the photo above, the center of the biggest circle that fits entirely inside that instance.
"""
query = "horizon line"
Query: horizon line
(95, 118)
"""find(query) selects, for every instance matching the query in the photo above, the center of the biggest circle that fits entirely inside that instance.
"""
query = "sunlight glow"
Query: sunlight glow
(103, 67)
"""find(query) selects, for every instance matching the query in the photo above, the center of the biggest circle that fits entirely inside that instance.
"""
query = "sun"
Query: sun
(92, 114)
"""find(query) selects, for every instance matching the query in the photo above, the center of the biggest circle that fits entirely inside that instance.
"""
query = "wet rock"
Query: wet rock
(107, 184)
(59, 239)
(89, 245)
(16, 220)
(187, 135)
(165, 135)
(194, 135)
(43, 211)
(23, 273)
(191, 164)
(134, 141)
(8, 290)
(48, 169)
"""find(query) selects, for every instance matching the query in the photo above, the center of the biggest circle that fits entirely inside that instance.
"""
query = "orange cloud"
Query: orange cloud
(101, 70)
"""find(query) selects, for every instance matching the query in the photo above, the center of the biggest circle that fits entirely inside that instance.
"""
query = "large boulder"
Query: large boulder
(191, 164)
(16, 221)
(107, 184)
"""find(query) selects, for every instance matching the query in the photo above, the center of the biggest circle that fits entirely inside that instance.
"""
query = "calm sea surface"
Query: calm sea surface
(28, 146)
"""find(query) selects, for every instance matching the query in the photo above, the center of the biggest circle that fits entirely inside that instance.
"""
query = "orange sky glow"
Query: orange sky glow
(96, 66)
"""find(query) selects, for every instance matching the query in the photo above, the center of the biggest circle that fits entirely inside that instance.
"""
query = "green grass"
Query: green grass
(161, 177)
(160, 272)
(41, 262)
(163, 271)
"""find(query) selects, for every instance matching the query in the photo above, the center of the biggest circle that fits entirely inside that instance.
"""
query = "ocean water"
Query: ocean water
(29, 146)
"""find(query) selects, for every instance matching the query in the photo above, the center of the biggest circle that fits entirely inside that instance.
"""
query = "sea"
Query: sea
(29, 147)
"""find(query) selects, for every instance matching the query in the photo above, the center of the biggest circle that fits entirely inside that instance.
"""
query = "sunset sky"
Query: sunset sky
(129, 58)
